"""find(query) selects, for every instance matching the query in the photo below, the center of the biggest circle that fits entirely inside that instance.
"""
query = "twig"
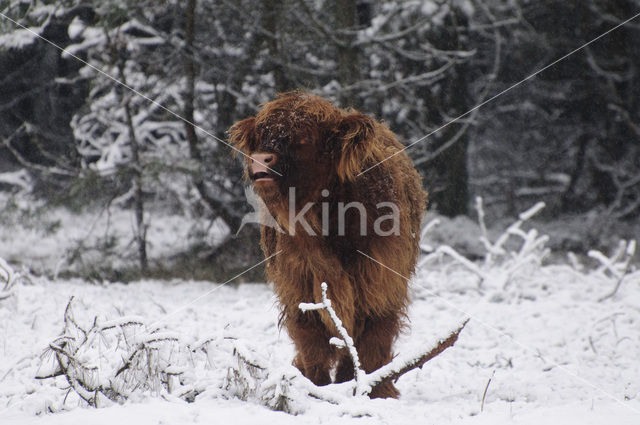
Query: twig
(427, 228)
(31, 165)
(486, 388)
(8, 275)
(629, 253)
(145, 367)
(445, 249)
(359, 374)
(364, 383)
(481, 219)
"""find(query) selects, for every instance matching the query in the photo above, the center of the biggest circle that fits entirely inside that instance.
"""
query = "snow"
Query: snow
(20, 178)
(429, 8)
(49, 240)
(558, 355)
(19, 38)
(76, 28)
(540, 342)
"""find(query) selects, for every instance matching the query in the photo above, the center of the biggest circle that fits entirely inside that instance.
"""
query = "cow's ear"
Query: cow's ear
(242, 135)
(355, 144)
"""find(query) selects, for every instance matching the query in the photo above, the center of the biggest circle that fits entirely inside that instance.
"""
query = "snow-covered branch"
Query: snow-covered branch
(501, 260)
(617, 265)
(8, 279)
(364, 383)
(345, 340)
(285, 389)
(407, 362)
(110, 360)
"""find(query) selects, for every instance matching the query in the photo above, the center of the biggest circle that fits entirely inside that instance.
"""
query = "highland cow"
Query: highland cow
(302, 145)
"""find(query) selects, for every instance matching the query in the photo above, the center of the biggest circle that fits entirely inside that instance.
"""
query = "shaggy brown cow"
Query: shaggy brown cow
(301, 145)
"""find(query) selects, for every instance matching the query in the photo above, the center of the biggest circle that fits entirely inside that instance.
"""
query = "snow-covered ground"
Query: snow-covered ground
(552, 352)
(53, 240)
(540, 343)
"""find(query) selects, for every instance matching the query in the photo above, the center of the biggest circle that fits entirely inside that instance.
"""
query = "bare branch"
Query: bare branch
(30, 165)
(318, 26)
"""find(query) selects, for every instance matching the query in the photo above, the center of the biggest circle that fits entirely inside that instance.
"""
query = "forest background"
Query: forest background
(129, 119)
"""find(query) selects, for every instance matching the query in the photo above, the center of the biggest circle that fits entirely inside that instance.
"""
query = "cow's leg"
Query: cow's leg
(314, 355)
(374, 347)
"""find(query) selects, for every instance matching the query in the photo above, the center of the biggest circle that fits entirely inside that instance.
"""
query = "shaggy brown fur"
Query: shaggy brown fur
(317, 146)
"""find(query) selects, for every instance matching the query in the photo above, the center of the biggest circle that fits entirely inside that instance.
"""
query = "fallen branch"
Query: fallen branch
(364, 383)
(404, 364)
(253, 378)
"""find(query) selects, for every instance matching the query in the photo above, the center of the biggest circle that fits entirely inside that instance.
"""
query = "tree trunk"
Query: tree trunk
(218, 207)
(568, 197)
(450, 166)
(190, 89)
(141, 227)
(345, 15)
(136, 167)
(271, 22)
